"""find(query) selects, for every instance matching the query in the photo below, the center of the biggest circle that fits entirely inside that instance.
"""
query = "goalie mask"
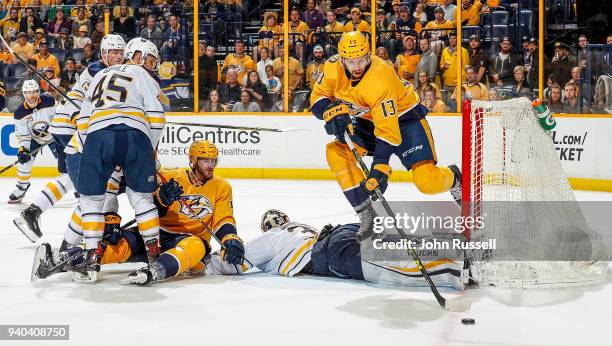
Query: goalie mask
(273, 218)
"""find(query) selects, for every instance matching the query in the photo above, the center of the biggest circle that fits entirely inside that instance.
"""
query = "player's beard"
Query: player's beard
(203, 174)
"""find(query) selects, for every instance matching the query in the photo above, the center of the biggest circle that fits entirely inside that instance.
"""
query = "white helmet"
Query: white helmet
(144, 46)
(29, 85)
(273, 218)
(109, 42)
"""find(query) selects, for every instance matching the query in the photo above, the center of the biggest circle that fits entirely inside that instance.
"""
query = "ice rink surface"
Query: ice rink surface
(261, 309)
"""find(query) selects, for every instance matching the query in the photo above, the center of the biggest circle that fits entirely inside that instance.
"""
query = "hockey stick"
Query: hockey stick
(10, 49)
(456, 305)
(195, 216)
(17, 162)
(234, 127)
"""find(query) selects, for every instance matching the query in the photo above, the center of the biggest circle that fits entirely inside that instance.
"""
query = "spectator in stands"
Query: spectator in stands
(272, 82)
(583, 42)
(405, 22)
(229, 93)
(478, 58)
(10, 25)
(555, 104)
(436, 29)
(332, 26)
(60, 22)
(39, 37)
(395, 14)
(532, 62)
(297, 34)
(406, 63)
(29, 23)
(571, 105)
(117, 9)
(576, 74)
(57, 7)
(561, 64)
(475, 89)
(524, 52)
(269, 35)
(356, 23)
(424, 82)
(22, 47)
(212, 104)
(215, 8)
(49, 73)
(502, 65)
(6, 57)
(245, 104)
(342, 7)
(97, 35)
(296, 72)
(448, 63)
(449, 8)
(263, 62)
(174, 45)
(382, 53)
(44, 59)
(209, 69)
(433, 103)
(28, 74)
(521, 87)
(366, 10)
(428, 62)
(470, 12)
(239, 61)
(69, 76)
(550, 81)
(312, 17)
(314, 70)
(80, 21)
(82, 39)
(152, 32)
(257, 90)
(420, 15)
(88, 57)
(125, 24)
(64, 41)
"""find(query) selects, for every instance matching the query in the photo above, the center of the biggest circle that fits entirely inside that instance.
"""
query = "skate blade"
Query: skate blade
(38, 256)
(89, 278)
(22, 225)
(14, 201)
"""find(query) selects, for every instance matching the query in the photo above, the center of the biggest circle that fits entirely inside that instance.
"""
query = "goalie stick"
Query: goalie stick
(195, 216)
(455, 305)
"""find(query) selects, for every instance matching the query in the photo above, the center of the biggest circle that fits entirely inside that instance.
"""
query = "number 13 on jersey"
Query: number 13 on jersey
(389, 108)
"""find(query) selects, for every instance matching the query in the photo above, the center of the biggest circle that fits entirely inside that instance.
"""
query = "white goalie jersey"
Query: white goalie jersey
(284, 250)
(123, 95)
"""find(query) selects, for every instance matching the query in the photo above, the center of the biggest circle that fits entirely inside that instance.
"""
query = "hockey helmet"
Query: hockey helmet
(29, 85)
(202, 150)
(353, 45)
(2, 88)
(110, 42)
(273, 218)
(144, 46)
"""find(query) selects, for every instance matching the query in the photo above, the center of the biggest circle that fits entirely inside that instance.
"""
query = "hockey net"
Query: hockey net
(512, 178)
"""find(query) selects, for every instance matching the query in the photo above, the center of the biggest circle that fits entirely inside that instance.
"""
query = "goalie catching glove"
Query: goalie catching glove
(337, 119)
(233, 249)
(378, 178)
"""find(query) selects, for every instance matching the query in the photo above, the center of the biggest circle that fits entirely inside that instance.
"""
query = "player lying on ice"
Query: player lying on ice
(205, 203)
(361, 93)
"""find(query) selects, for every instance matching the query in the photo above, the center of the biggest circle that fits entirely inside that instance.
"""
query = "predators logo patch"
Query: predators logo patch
(200, 205)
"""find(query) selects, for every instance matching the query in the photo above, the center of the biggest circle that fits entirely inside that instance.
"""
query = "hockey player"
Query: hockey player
(361, 93)
(185, 240)
(63, 127)
(32, 121)
(124, 121)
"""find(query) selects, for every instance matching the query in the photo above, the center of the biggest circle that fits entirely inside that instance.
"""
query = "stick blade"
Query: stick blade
(457, 304)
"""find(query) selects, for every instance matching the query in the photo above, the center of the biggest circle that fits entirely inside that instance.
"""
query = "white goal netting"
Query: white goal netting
(519, 188)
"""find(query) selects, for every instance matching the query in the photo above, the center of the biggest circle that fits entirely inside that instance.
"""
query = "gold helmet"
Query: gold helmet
(353, 45)
(202, 150)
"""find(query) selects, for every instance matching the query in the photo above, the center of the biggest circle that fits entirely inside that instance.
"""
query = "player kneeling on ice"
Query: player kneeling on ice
(362, 94)
(32, 121)
(288, 248)
(191, 203)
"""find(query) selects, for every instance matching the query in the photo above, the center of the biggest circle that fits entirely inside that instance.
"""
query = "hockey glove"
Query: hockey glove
(169, 192)
(24, 155)
(234, 249)
(112, 228)
(378, 178)
(337, 119)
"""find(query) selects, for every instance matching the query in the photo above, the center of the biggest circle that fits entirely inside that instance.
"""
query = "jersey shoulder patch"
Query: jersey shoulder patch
(21, 112)
(46, 101)
(334, 58)
(95, 67)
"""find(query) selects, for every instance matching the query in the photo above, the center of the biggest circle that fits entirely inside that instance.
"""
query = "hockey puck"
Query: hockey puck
(468, 321)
